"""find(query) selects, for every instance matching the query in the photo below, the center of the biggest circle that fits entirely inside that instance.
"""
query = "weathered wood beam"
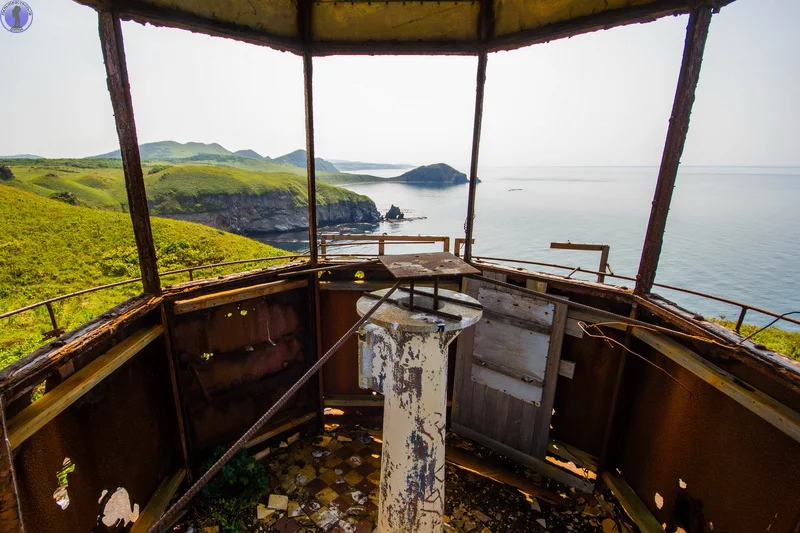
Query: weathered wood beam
(158, 501)
(120, 91)
(235, 295)
(258, 439)
(543, 467)
(36, 415)
(632, 504)
(17, 379)
(10, 514)
(696, 35)
(542, 431)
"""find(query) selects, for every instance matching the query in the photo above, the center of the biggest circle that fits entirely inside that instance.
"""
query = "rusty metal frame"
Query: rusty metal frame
(119, 88)
(305, 30)
(696, 35)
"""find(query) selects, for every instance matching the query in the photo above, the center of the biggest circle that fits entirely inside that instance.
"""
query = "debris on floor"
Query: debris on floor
(329, 483)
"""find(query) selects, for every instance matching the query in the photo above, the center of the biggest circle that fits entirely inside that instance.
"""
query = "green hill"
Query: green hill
(170, 150)
(51, 248)
(171, 188)
(299, 158)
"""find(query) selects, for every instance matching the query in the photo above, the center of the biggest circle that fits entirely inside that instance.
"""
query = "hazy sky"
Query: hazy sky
(597, 99)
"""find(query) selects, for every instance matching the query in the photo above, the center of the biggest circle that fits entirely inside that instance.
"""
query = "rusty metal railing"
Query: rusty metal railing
(190, 270)
(336, 240)
(744, 308)
(329, 240)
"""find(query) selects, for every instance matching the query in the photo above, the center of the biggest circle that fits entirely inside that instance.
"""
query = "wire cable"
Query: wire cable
(768, 325)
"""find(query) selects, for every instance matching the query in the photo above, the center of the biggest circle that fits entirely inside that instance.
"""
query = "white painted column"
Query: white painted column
(405, 354)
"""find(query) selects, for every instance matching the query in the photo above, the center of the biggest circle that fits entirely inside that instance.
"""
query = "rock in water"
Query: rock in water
(394, 213)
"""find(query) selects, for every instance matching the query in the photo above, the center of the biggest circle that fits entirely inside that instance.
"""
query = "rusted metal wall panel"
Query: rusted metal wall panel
(582, 403)
(118, 435)
(740, 472)
(340, 374)
(237, 359)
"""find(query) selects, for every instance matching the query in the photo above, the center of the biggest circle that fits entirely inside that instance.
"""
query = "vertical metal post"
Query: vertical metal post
(473, 166)
(381, 246)
(485, 32)
(740, 321)
(52, 315)
(601, 278)
(176, 391)
(696, 35)
(304, 20)
(120, 91)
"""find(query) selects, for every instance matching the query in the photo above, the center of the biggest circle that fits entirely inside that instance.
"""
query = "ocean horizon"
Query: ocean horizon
(731, 230)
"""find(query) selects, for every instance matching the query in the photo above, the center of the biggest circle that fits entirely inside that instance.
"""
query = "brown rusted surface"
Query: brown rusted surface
(582, 403)
(237, 359)
(10, 515)
(772, 373)
(338, 313)
(118, 435)
(426, 265)
(740, 471)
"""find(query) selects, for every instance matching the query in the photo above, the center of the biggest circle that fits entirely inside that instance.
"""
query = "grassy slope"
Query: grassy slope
(192, 182)
(49, 248)
(100, 183)
(777, 340)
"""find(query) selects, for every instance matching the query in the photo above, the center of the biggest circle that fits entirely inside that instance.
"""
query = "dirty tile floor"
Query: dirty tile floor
(329, 483)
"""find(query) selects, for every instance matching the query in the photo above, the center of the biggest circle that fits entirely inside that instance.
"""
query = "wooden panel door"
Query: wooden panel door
(507, 368)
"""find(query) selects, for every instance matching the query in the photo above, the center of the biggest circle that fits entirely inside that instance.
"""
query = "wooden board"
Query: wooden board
(507, 367)
(236, 295)
(158, 502)
(633, 505)
(36, 415)
(517, 388)
(504, 302)
(511, 346)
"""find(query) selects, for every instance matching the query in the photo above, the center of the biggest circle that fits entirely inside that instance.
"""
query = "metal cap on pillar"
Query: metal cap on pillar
(403, 355)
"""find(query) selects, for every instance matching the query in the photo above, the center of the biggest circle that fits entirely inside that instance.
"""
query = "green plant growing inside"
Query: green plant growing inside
(234, 490)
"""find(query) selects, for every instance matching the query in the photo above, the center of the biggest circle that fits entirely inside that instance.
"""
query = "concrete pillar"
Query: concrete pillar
(404, 356)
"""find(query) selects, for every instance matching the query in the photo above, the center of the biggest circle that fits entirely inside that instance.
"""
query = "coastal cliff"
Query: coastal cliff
(272, 212)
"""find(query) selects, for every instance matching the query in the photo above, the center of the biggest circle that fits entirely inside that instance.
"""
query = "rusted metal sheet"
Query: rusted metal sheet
(740, 472)
(582, 403)
(119, 435)
(426, 265)
(235, 360)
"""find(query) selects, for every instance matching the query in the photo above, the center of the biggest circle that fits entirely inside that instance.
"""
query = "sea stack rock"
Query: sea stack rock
(394, 213)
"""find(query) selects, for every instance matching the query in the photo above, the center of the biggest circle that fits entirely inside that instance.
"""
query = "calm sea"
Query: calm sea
(732, 231)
